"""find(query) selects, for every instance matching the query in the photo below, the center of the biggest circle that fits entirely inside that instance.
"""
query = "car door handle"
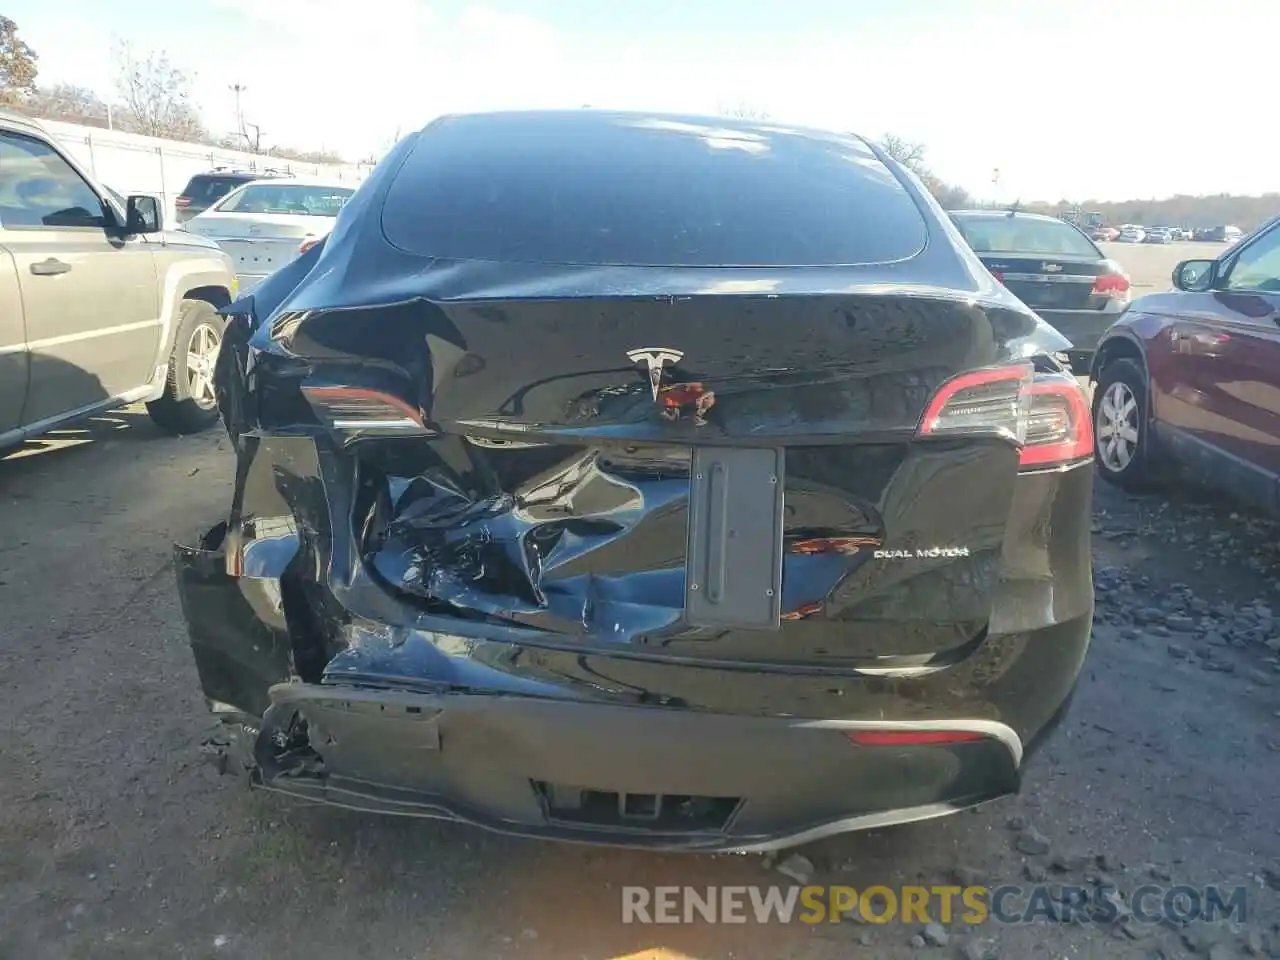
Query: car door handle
(50, 268)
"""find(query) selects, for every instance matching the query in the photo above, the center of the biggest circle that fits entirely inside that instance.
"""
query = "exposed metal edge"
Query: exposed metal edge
(865, 821)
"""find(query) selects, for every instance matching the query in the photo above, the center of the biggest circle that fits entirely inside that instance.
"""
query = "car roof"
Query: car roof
(10, 118)
(588, 119)
(998, 214)
(297, 182)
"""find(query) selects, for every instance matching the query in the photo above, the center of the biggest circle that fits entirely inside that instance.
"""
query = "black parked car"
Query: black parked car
(650, 480)
(1054, 268)
(205, 189)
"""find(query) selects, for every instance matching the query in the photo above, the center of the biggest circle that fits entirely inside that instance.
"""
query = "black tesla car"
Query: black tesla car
(651, 480)
(1054, 268)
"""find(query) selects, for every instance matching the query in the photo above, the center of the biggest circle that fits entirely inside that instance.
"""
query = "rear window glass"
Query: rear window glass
(1024, 235)
(287, 198)
(646, 191)
(208, 189)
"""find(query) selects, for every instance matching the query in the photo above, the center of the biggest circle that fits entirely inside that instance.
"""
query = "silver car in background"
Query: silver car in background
(265, 224)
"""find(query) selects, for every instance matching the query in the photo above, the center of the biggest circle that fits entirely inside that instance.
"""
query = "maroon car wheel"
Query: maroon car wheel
(1120, 429)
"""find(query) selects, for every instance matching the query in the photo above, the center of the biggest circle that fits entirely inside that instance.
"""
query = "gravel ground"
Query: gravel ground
(119, 840)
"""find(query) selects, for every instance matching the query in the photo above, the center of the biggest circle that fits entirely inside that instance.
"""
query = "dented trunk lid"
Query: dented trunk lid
(721, 478)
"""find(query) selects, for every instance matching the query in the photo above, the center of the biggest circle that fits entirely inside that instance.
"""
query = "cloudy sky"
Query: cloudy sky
(1108, 99)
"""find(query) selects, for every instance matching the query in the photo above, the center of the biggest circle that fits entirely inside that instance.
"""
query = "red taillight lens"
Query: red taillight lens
(911, 738)
(998, 275)
(984, 401)
(1046, 414)
(1059, 427)
(307, 244)
(182, 202)
(365, 412)
(1114, 285)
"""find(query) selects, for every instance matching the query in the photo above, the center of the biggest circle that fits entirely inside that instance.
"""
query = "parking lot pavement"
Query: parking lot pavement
(1150, 265)
(118, 840)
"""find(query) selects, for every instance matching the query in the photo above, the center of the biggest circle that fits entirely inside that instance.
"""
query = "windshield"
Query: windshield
(1025, 235)
(295, 199)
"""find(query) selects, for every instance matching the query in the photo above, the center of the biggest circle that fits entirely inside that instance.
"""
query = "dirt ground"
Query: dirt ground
(119, 840)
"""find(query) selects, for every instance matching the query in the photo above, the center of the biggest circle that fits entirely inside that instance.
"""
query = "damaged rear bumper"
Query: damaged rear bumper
(560, 766)
(631, 776)
(334, 693)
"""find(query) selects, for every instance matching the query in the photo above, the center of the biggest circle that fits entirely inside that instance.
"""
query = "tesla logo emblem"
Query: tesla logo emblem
(1052, 268)
(655, 358)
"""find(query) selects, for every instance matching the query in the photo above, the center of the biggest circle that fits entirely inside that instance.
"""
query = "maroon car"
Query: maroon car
(1192, 377)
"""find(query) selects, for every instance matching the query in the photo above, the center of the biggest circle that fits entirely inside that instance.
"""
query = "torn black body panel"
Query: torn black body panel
(635, 554)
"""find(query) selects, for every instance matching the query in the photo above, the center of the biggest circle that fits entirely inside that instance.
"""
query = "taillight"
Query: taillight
(182, 202)
(307, 244)
(1115, 286)
(1046, 414)
(1059, 426)
(998, 275)
(363, 412)
(984, 401)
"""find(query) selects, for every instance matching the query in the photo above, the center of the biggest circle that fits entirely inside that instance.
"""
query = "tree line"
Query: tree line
(151, 96)
(1216, 210)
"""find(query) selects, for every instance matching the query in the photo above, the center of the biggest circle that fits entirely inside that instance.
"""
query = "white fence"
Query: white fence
(128, 163)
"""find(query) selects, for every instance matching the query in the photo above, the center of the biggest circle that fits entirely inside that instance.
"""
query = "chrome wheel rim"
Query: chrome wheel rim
(1116, 427)
(202, 354)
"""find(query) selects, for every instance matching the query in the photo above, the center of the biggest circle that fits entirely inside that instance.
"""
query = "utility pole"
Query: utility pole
(237, 89)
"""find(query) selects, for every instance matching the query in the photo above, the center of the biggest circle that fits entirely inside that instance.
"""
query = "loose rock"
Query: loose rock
(975, 949)
(1016, 823)
(1067, 863)
(918, 942)
(1177, 651)
(799, 868)
(968, 876)
(1032, 842)
(935, 934)
(1254, 944)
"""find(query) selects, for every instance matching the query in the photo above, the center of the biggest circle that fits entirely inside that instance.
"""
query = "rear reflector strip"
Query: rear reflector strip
(911, 738)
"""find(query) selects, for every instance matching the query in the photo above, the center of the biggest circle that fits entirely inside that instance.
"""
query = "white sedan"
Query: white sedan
(264, 224)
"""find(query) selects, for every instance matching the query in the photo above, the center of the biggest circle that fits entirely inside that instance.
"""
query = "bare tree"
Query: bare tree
(156, 95)
(305, 156)
(911, 155)
(906, 152)
(18, 68)
(68, 103)
(744, 111)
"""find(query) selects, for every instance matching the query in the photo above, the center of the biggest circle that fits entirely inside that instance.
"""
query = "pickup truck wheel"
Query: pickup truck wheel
(1122, 441)
(188, 404)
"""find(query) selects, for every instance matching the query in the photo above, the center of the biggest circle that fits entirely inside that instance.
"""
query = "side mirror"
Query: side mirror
(1195, 276)
(142, 214)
